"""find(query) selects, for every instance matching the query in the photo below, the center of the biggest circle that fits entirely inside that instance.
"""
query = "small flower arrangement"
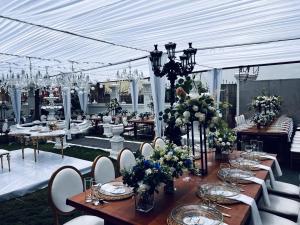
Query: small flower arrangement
(174, 159)
(145, 176)
(224, 139)
(114, 107)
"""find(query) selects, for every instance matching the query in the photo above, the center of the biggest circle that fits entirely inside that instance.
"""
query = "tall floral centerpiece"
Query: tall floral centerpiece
(144, 178)
(266, 108)
(175, 161)
(190, 107)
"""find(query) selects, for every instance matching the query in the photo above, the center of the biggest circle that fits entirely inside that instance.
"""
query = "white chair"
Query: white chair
(64, 183)
(271, 219)
(281, 206)
(2, 154)
(159, 143)
(284, 189)
(103, 170)
(126, 160)
(146, 150)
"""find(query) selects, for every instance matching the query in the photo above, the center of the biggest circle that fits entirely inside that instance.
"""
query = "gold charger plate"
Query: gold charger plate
(218, 193)
(105, 195)
(194, 215)
(234, 175)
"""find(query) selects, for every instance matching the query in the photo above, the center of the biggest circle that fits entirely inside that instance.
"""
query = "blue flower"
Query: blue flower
(157, 165)
(147, 163)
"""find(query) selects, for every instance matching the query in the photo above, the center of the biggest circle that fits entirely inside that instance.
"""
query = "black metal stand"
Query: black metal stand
(203, 169)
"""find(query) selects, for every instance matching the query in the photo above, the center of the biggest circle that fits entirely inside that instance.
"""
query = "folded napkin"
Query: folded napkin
(277, 166)
(113, 189)
(256, 220)
(264, 188)
(194, 220)
(271, 174)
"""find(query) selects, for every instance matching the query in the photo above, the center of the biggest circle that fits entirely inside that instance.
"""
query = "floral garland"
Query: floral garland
(114, 107)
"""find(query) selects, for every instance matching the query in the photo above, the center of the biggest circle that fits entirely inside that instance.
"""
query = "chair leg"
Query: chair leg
(8, 161)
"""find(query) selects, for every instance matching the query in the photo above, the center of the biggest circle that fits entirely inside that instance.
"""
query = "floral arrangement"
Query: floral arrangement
(114, 107)
(223, 139)
(145, 176)
(189, 107)
(267, 109)
(144, 115)
(174, 159)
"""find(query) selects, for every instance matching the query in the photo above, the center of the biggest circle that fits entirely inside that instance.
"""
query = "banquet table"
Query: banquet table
(149, 122)
(123, 212)
(275, 139)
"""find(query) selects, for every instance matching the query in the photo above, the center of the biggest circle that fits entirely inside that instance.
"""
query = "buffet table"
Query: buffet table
(275, 137)
(123, 212)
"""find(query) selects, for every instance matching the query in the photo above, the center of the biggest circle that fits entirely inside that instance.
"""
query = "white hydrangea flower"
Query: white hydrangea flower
(195, 108)
(187, 114)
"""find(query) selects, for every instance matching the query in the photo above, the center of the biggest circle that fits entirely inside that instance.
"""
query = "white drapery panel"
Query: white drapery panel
(134, 94)
(158, 89)
(66, 96)
(143, 23)
(83, 99)
(214, 85)
(15, 96)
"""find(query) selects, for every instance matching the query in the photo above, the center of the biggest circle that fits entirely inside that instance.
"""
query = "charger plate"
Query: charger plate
(244, 164)
(254, 155)
(195, 215)
(218, 193)
(120, 192)
(234, 175)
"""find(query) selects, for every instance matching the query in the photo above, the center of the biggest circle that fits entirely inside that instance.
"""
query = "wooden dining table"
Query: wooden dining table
(123, 212)
(148, 122)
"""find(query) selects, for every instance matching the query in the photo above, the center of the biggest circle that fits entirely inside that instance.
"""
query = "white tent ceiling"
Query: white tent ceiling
(142, 23)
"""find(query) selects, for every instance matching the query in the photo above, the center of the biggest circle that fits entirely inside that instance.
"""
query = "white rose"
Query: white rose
(228, 143)
(223, 143)
(195, 108)
(202, 117)
(215, 119)
(178, 121)
(148, 171)
(198, 114)
(186, 114)
(220, 139)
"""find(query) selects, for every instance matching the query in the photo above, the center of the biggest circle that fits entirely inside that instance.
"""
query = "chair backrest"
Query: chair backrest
(126, 160)
(159, 143)
(64, 183)
(43, 117)
(146, 150)
(103, 170)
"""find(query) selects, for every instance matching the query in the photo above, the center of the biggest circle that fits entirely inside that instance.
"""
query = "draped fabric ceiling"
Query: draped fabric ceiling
(142, 23)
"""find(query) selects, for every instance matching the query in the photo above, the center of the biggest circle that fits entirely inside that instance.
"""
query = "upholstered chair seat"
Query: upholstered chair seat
(284, 189)
(271, 219)
(281, 206)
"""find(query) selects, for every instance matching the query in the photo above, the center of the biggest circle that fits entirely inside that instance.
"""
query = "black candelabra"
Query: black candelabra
(173, 69)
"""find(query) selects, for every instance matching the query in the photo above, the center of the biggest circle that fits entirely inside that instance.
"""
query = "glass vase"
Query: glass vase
(144, 202)
(169, 188)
